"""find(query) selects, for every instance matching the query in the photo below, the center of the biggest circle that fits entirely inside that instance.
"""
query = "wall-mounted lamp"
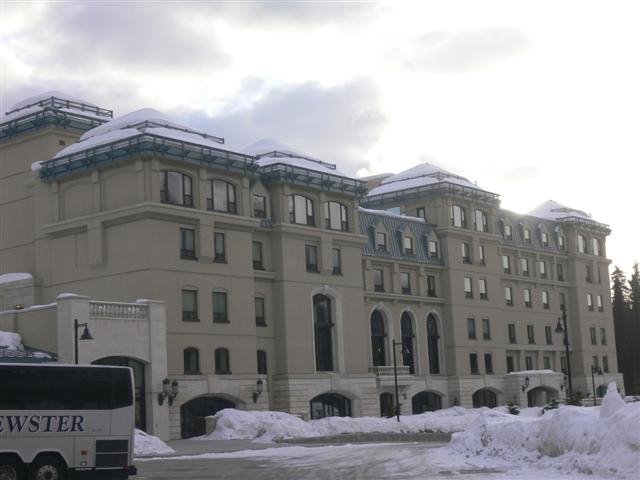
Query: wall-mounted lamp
(169, 391)
(526, 384)
(258, 390)
(18, 306)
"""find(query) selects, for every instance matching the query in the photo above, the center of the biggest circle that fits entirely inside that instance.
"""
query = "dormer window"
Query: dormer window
(420, 213)
(527, 235)
(562, 243)
(508, 232)
(335, 215)
(582, 244)
(301, 210)
(222, 196)
(432, 245)
(407, 245)
(175, 188)
(457, 216)
(381, 241)
(480, 220)
(545, 239)
(596, 246)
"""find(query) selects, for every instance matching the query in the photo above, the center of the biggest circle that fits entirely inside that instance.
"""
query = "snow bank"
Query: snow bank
(267, 426)
(10, 340)
(567, 439)
(611, 402)
(14, 277)
(145, 444)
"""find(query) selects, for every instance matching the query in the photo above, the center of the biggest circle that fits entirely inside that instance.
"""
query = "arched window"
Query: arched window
(335, 216)
(406, 330)
(191, 361)
(426, 402)
(323, 327)
(222, 366)
(457, 216)
(485, 398)
(222, 196)
(480, 220)
(301, 210)
(433, 340)
(175, 188)
(378, 339)
(330, 405)
(262, 362)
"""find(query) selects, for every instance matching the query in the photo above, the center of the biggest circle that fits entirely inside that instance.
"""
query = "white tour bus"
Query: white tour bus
(65, 421)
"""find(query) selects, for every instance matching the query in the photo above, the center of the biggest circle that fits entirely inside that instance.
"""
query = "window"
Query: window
(599, 303)
(589, 302)
(562, 300)
(599, 273)
(259, 206)
(405, 283)
(510, 367)
(466, 252)
(595, 244)
(545, 239)
(511, 329)
(481, 254)
(323, 333)
(531, 337)
(457, 216)
(420, 212)
(381, 241)
(542, 267)
(337, 262)
(222, 364)
(506, 264)
(378, 280)
(187, 244)
(562, 243)
(433, 340)
(191, 361)
(545, 300)
(468, 290)
(527, 298)
(257, 255)
(219, 248)
(528, 363)
(335, 216)
(311, 258)
(189, 305)
(482, 284)
(407, 245)
(176, 189)
(508, 233)
(406, 333)
(488, 363)
(527, 235)
(262, 362)
(524, 264)
(432, 245)
(592, 334)
(220, 307)
(473, 363)
(480, 220)
(546, 361)
(547, 335)
(560, 272)
(605, 364)
(378, 339)
(508, 295)
(486, 329)
(260, 315)
(581, 244)
(222, 196)
(563, 365)
(471, 328)
(587, 273)
(594, 361)
(431, 286)
(301, 210)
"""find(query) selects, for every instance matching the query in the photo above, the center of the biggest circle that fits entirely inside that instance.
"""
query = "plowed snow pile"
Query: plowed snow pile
(602, 441)
(148, 445)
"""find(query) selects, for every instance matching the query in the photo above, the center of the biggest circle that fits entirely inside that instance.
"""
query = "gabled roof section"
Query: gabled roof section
(145, 131)
(52, 109)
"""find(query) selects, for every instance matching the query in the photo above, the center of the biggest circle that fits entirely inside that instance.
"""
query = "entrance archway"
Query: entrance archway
(426, 402)
(485, 398)
(193, 413)
(330, 405)
(139, 385)
(386, 405)
(540, 396)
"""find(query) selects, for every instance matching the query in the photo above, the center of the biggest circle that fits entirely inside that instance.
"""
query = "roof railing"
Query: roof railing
(440, 187)
(277, 154)
(56, 102)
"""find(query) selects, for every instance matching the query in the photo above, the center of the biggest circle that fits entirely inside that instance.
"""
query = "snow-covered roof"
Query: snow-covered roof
(552, 210)
(46, 95)
(386, 213)
(421, 175)
(140, 122)
(14, 277)
(269, 152)
(58, 100)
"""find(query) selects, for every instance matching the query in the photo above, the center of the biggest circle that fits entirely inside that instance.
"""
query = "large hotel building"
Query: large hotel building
(276, 282)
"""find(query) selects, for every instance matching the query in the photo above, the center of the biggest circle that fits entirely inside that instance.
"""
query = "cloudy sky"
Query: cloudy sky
(530, 99)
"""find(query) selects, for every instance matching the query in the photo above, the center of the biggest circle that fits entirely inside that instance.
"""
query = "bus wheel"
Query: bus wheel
(11, 468)
(47, 467)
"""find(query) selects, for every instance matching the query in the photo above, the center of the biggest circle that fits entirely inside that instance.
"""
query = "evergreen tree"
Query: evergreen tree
(620, 306)
(633, 319)
(634, 292)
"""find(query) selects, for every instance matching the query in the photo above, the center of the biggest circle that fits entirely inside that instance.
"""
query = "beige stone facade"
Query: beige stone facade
(138, 212)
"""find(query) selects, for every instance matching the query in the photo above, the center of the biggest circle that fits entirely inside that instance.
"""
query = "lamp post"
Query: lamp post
(85, 334)
(560, 328)
(594, 369)
(395, 375)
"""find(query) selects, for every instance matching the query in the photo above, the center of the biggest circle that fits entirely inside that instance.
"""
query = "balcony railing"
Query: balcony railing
(387, 370)
(114, 310)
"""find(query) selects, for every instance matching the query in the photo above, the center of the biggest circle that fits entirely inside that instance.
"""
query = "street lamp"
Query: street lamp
(85, 334)
(404, 351)
(560, 328)
(258, 390)
(526, 384)
(595, 369)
